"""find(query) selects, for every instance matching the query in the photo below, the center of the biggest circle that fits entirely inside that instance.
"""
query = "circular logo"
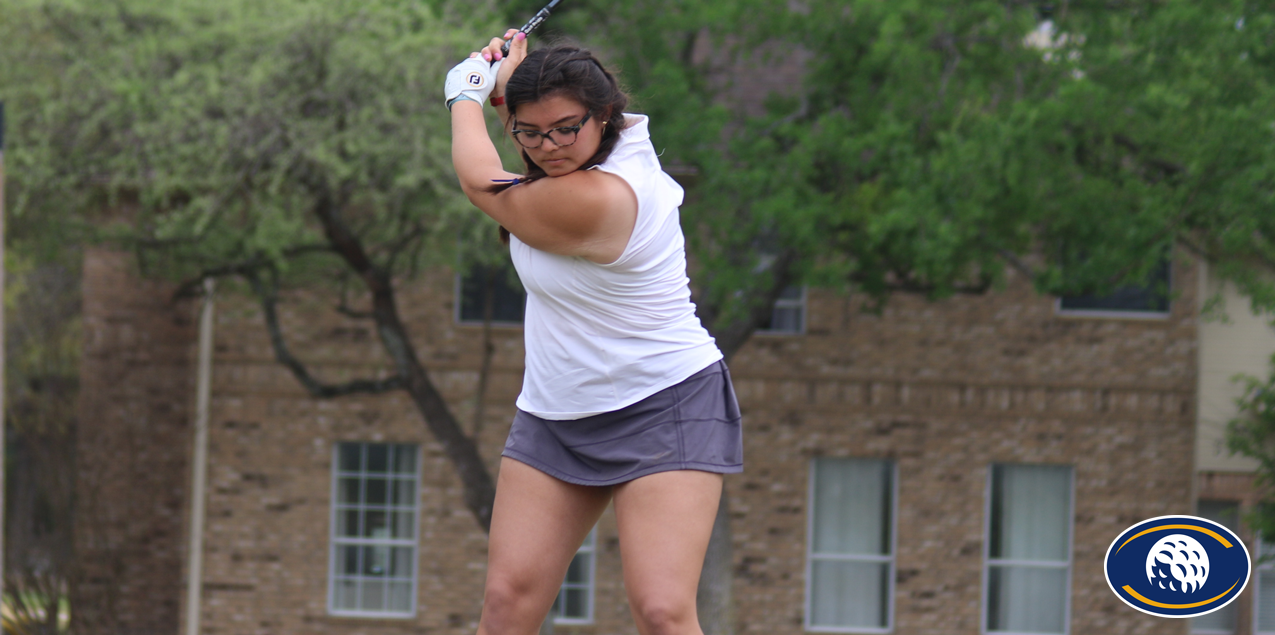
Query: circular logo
(1177, 566)
(475, 79)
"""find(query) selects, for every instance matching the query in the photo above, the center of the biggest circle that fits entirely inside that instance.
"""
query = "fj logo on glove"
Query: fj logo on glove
(476, 79)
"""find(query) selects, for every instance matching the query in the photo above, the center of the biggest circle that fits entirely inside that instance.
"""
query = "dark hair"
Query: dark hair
(566, 70)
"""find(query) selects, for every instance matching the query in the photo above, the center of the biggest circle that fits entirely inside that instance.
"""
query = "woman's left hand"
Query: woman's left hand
(517, 52)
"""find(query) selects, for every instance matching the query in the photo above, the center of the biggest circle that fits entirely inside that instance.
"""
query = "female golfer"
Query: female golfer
(625, 396)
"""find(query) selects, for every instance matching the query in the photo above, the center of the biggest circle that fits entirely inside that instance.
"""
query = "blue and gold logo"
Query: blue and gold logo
(1177, 566)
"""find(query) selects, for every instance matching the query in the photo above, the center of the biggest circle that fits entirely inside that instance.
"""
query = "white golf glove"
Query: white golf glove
(471, 79)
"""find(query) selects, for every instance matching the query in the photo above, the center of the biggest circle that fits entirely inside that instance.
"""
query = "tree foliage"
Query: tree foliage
(218, 125)
(929, 146)
(283, 143)
(1252, 434)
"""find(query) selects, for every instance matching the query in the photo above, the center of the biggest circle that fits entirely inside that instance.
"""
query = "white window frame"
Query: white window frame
(811, 556)
(989, 562)
(799, 304)
(1262, 547)
(335, 542)
(588, 548)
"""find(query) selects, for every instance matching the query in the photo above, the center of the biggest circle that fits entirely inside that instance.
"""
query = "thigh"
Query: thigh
(665, 520)
(537, 524)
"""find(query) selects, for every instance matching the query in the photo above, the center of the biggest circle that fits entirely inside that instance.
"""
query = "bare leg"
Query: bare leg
(537, 525)
(665, 522)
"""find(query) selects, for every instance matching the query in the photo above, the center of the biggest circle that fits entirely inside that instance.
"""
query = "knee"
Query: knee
(665, 616)
(506, 602)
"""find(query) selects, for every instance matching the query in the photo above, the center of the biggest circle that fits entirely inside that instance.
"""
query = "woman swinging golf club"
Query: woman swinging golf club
(625, 396)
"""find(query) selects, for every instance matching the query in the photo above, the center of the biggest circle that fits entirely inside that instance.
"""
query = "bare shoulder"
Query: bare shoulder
(589, 213)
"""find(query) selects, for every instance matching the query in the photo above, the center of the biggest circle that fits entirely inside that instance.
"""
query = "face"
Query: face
(557, 112)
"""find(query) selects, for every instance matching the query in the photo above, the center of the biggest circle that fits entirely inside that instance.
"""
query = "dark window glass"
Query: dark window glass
(789, 313)
(1149, 297)
(491, 283)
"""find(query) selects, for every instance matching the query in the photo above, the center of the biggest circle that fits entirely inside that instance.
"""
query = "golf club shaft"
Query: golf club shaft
(531, 24)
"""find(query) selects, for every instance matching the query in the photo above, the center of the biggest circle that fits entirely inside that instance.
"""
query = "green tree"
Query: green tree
(283, 143)
(1252, 434)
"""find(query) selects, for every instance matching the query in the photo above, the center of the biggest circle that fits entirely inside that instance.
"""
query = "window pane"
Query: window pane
(373, 595)
(1026, 599)
(378, 457)
(404, 492)
(405, 459)
(578, 571)
(1150, 296)
(788, 312)
(852, 507)
(849, 594)
(1266, 601)
(494, 282)
(349, 558)
(376, 561)
(576, 594)
(376, 524)
(346, 594)
(403, 524)
(376, 490)
(348, 491)
(574, 604)
(786, 320)
(400, 596)
(402, 563)
(347, 523)
(1031, 512)
(351, 454)
(1219, 621)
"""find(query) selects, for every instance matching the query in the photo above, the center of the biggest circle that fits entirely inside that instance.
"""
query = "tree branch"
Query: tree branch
(193, 286)
(479, 487)
(268, 296)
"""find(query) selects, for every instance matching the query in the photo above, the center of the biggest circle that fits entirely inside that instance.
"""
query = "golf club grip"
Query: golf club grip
(531, 24)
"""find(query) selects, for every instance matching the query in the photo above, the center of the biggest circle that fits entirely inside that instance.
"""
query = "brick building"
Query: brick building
(954, 467)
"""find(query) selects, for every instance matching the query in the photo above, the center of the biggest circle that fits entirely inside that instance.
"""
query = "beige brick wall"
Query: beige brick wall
(944, 389)
(132, 450)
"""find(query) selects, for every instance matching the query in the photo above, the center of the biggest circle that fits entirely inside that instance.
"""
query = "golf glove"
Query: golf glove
(471, 79)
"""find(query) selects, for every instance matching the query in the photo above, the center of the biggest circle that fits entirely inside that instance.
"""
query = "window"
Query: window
(1028, 549)
(1221, 621)
(850, 558)
(374, 512)
(1264, 593)
(490, 285)
(575, 601)
(1150, 299)
(789, 314)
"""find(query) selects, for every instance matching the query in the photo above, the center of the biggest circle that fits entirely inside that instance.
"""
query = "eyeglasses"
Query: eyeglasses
(563, 136)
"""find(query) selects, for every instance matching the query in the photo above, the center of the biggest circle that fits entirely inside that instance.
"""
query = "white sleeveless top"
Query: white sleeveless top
(602, 337)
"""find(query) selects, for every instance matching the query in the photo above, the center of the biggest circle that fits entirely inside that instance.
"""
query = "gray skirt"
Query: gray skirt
(694, 425)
